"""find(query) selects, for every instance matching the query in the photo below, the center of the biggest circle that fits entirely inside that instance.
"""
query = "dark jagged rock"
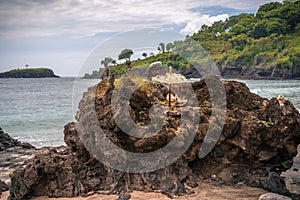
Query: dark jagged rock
(191, 73)
(258, 142)
(13, 154)
(7, 142)
(238, 72)
(3, 187)
(13, 158)
(260, 73)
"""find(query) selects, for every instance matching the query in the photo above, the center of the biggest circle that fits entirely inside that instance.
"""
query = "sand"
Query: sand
(203, 192)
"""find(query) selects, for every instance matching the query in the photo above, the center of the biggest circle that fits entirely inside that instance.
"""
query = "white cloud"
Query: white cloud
(19, 18)
(195, 24)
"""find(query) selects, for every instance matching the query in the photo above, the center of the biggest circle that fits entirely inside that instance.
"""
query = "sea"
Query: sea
(36, 110)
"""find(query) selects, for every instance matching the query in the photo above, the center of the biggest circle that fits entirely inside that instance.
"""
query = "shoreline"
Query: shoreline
(203, 191)
(230, 176)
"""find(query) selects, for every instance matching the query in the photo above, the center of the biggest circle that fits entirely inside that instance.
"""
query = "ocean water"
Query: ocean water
(290, 89)
(36, 110)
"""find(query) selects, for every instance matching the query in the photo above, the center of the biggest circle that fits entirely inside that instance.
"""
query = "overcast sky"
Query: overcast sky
(61, 34)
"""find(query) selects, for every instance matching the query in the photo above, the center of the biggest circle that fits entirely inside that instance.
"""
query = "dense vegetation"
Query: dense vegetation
(268, 40)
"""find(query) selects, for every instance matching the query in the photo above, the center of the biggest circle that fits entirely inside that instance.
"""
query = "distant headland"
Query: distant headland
(29, 73)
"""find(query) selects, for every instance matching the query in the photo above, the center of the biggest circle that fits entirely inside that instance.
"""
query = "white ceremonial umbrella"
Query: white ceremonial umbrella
(170, 78)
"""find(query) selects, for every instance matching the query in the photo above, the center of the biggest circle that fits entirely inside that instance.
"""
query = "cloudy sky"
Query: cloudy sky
(61, 34)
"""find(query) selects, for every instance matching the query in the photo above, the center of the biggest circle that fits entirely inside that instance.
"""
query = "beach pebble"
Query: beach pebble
(213, 177)
(90, 193)
(273, 196)
(124, 197)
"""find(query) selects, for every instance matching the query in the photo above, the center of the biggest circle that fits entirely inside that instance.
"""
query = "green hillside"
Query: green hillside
(261, 45)
(268, 40)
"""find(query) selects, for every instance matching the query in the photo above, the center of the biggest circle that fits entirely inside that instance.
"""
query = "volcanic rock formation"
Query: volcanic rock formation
(257, 143)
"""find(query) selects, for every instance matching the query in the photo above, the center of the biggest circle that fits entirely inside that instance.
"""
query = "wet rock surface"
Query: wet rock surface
(13, 154)
(13, 158)
(292, 176)
(257, 144)
(3, 187)
(7, 142)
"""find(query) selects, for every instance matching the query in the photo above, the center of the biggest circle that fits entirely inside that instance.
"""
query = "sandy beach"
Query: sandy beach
(204, 191)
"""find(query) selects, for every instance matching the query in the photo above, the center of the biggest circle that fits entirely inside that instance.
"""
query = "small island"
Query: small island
(29, 73)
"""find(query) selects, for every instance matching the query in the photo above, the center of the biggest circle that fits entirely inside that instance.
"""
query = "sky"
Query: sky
(63, 34)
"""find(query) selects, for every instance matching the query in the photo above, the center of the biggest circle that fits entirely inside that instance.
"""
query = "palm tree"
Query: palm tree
(162, 45)
(106, 61)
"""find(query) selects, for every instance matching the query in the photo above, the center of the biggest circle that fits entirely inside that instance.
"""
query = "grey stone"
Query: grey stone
(273, 196)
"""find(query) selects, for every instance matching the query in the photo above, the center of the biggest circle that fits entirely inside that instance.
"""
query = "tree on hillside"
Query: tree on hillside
(276, 25)
(259, 30)
(235, 19)
(170, 46)
(145, 55)
(204, 27)
(238, 29)
(106, 61)
(238, 42)
(218, 27)
(159, 49)
(289, 1)
(162, 46)
(125, 54)
(289, 11)
(268, 7)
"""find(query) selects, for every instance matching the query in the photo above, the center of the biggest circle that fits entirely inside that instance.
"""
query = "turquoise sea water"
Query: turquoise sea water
(36, 110)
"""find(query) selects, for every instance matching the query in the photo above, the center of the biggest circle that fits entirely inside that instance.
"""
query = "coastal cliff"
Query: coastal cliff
(29, 73)
(253, 73)
(258, 142)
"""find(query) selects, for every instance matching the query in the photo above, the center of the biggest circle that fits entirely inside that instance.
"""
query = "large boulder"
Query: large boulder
(273, 196)
(257, 143)
(156, 69)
